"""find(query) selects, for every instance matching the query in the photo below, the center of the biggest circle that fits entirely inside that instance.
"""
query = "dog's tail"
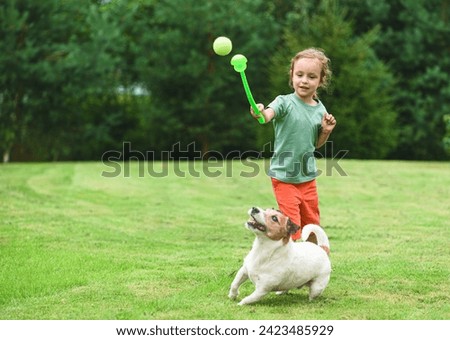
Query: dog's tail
(322, 238)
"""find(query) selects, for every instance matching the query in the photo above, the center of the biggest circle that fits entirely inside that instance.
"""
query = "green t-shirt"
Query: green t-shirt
(297, 126)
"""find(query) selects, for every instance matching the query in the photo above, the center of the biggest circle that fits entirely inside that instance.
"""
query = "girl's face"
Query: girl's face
(306, 78)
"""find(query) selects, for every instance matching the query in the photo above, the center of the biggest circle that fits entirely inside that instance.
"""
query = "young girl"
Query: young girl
(301, 125)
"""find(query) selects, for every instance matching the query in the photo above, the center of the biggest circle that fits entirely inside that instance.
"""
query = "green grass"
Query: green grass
(76, 245)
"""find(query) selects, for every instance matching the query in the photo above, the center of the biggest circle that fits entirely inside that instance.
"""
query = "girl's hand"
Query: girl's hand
(328, 123)
(260, 108)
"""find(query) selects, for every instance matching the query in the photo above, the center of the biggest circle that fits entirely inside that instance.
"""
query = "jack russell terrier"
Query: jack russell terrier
(276, 263)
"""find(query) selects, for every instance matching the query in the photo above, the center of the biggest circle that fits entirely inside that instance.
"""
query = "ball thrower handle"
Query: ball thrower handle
(239, 63)
(252, 102)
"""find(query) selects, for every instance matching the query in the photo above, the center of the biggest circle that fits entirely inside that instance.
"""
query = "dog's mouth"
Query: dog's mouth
(254, 224)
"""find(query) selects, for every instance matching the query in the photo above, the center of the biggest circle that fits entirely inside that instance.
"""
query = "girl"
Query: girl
(301, 125)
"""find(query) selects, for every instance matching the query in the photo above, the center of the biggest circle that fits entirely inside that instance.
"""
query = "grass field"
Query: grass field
(78, 245)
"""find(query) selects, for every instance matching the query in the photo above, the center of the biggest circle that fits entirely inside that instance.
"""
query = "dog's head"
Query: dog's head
(271, 223)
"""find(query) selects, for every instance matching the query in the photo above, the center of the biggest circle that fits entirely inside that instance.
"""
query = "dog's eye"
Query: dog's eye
(275, 219)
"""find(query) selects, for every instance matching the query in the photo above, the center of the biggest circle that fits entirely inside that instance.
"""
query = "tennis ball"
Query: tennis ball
(222, 46)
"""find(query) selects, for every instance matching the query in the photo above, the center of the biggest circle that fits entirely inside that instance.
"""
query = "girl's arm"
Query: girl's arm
(323, 137)
(328, 124)
(267, 113)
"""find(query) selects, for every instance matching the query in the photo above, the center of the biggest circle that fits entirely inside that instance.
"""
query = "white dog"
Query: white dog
(276, 263)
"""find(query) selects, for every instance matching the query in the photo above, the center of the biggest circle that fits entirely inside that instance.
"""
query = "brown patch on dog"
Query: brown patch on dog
(312, 238)
(292, 227)
(279, 226)
(327, 250)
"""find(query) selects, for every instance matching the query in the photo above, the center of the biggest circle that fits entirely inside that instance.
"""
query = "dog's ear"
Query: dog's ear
(292, 228)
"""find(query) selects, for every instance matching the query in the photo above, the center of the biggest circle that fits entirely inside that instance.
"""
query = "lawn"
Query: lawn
(164, 240)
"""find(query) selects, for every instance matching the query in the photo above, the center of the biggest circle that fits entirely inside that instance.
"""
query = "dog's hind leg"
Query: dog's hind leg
(318, 285)
(240, 278)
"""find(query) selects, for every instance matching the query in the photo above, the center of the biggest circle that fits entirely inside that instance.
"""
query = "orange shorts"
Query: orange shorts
(298, 201)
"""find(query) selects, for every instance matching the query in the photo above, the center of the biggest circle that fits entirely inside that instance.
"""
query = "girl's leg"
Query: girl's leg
(309, 207)
(288, 199)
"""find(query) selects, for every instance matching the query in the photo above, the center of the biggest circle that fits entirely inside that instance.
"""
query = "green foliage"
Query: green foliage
(413, 41)
(60, 56)
(446, 140)
(78, 80)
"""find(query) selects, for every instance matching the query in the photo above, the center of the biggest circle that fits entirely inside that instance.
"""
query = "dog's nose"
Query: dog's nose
(255, 211)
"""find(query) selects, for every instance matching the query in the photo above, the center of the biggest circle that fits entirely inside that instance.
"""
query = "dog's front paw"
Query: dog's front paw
(233, 294)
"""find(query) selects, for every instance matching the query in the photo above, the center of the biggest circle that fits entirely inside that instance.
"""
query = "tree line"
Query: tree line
(81, 78)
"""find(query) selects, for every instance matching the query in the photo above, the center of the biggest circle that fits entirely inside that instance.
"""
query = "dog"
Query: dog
(276, 263)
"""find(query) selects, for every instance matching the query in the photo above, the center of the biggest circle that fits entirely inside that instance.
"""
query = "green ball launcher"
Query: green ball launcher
(239, 63)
